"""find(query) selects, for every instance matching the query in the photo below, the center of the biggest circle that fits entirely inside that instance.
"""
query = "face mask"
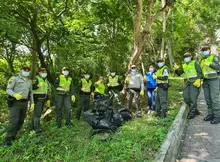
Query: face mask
(87, 76)
(43, 75)
(187, 59)
(112, 74)
(151, 69)
(133, 71)
(25, 73)
(205, 53)
(160, 64)
(65, 72)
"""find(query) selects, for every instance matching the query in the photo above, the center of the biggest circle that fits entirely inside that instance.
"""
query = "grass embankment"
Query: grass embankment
(137, 140)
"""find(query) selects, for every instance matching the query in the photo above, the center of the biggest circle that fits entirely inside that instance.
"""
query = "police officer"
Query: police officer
(99, 89)
(134, 84)
(161, 77)
(210, 65)
(84, 96)
(114, 84)
(192, 73)
(64, 95)
(19, 89)
(40, 91)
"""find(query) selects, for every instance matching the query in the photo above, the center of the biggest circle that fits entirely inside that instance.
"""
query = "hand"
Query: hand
(206, 63)
(155, 90)
(47, 104)
(145, 78)
(142, 93)
(92, 94)
(62, 85)
(73, 98)
(127, 79)
(18, 96)
(197, 83)
(83, 89)
(122, 92)
(40, 84)
(154, 77)
(31, 108)
(175, 67)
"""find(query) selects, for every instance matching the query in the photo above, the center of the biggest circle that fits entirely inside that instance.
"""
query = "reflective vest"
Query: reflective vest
(113, 81)
(159, 73)
(208, 72)
(100, 87)
(65, 82)
(86, 84)
(43, 89)
(190, 72)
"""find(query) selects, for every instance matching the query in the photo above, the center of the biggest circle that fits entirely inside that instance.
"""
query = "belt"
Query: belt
(22, 100)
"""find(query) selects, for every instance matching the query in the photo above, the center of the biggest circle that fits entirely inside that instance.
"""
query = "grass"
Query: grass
(136, 141)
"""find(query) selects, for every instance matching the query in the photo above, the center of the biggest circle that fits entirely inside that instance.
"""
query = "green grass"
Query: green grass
(137, 140)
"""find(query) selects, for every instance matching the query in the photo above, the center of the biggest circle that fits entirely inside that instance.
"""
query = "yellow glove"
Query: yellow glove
(31, 108)
(206, 63)
(127, 79)
(145, 78)
(154, 77)
(92, 94)
(142, 92)
(41, 84)
(175, 67)
(73, 98)
(83, 89)
(47, 104)
(18, 96)
(197, 83)
(155, 90)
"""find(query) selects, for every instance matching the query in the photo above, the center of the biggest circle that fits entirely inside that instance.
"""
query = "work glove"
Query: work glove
(127, 80)
(206, 63)
(145, 78)
(73, 98)
(155, 90)
(40, 84)
(92, 94)
(154, 77)
(47, 104)
(31, 108)
(197, 83)
(142, 93)
(175, 67)
(18, 96)
(83, 89)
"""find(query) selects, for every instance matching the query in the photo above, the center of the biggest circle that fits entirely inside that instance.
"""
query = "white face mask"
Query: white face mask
(113, 74)
(65, 72)
(87, 76)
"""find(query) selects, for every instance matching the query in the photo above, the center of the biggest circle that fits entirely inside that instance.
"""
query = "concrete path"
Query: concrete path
(202, 140)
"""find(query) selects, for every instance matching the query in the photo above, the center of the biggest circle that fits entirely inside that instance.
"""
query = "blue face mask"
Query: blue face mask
(205, 53)
(187, 59)
(65, 72)
(43, 75)
(151, 69)
(25, 73)
(133, 71)
(160, 64)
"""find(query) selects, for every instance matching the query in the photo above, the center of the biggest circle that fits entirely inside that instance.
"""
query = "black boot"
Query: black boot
(215, 120)
(191, 115)
(209, 117)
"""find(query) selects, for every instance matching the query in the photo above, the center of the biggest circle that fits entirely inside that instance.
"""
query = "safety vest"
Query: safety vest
(100, 87)
(159, 73)
(86, 84)
(113, 81)
(190, 72)
(43, 89)
(208, 72)
(65, 82)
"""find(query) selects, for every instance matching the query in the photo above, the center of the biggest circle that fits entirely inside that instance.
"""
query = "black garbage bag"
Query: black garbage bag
(125, 113)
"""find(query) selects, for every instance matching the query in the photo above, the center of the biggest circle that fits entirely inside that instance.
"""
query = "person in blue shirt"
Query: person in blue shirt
(151, 86)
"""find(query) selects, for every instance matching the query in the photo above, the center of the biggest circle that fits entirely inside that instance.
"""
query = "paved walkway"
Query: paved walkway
(202, 140)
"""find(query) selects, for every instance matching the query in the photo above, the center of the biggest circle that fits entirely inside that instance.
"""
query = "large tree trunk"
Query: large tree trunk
(163, 30)
(140, 36)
